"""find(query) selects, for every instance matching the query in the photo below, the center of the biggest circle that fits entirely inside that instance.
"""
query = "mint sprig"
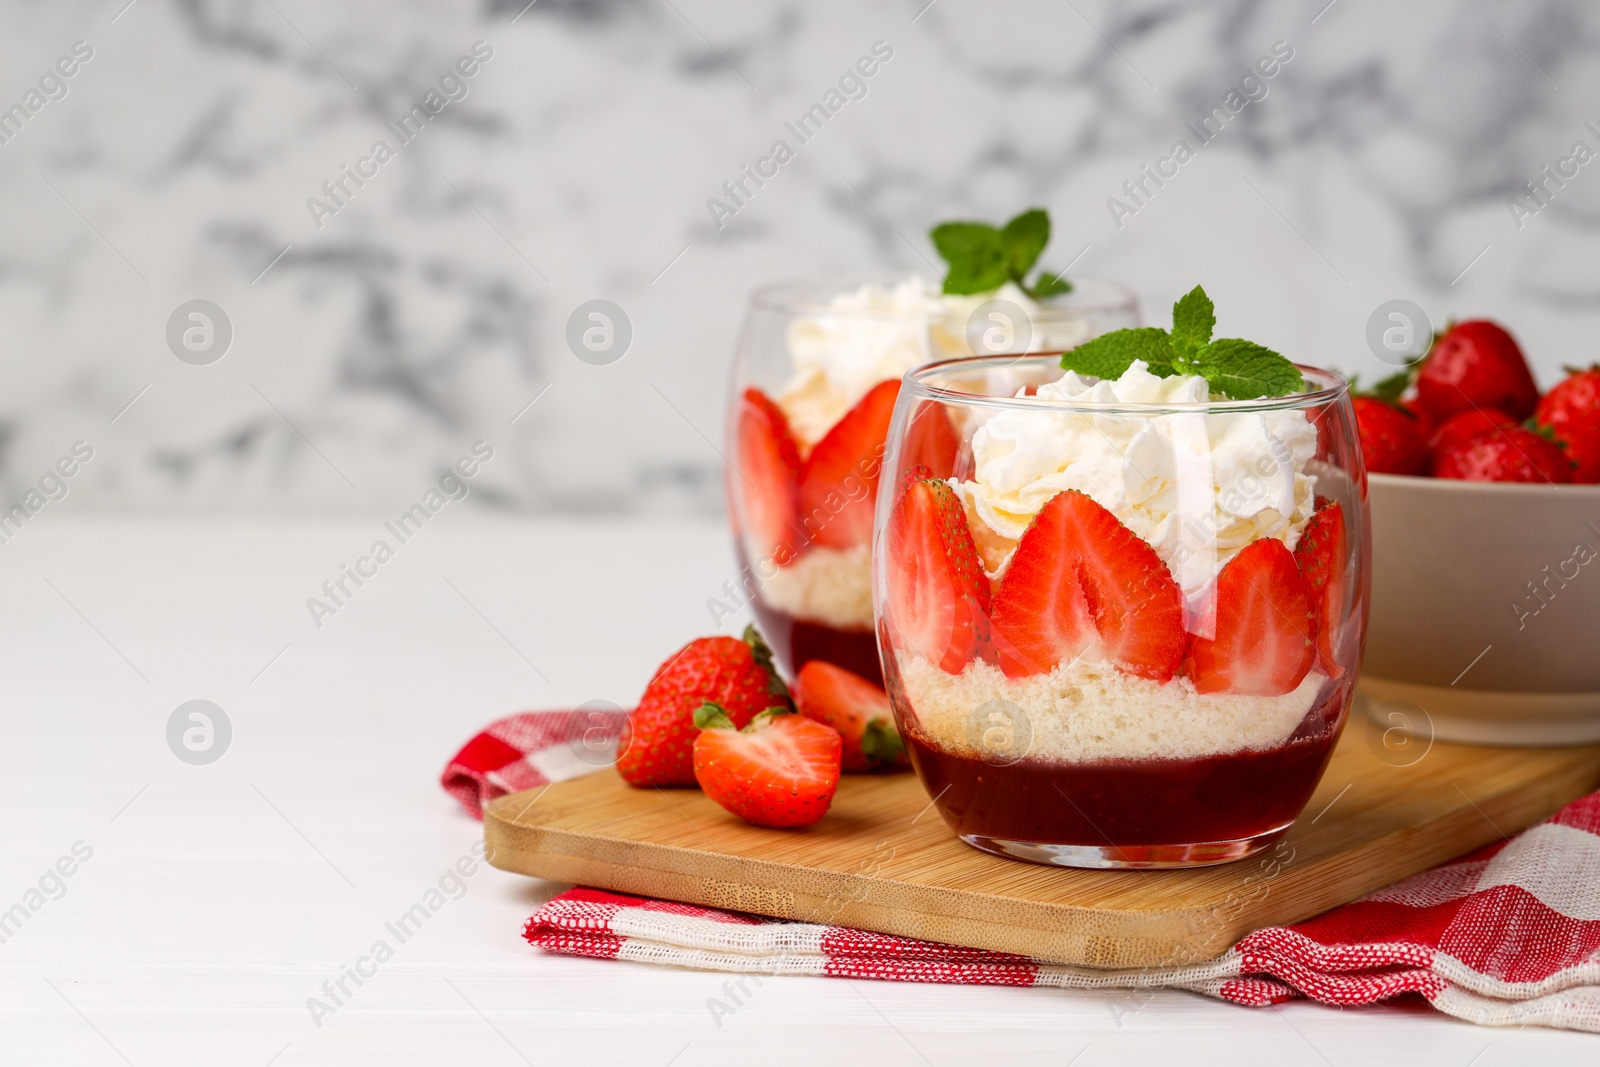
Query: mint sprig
(1238, 369)
(982, 257)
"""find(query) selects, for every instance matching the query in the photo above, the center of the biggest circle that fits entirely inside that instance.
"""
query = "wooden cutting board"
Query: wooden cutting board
(884, 860)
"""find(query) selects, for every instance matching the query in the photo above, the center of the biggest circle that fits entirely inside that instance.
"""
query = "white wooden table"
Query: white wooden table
(218, 899)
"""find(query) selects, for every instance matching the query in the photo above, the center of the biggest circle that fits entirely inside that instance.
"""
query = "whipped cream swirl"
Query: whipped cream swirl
(878, 333)
(1197, 486)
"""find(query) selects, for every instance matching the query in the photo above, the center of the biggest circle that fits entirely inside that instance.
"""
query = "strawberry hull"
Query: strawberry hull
(796, 642)
(1132, 812)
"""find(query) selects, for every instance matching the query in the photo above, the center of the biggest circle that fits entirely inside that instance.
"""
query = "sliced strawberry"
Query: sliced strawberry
(1320, 555)
(767, 478)
(1083, 584)
(855, 707)
(931, 442)
(840, 480)
(1263, 641)
(938, 596)
(780, 770)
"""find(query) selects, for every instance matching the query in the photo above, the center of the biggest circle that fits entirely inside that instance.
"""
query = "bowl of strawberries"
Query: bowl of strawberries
(1485, 504)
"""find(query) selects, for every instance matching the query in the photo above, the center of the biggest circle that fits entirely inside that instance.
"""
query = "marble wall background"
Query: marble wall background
(431, 308)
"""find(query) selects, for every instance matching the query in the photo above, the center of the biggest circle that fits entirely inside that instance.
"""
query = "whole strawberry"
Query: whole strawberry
(1476, 364)
(1513, 454)
(1392, 440)
(656, 745)
(781, 770)
(1465, 425)
(1571, 412)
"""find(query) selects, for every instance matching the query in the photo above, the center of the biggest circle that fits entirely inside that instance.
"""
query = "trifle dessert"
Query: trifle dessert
(1124, 629)
(815, 387)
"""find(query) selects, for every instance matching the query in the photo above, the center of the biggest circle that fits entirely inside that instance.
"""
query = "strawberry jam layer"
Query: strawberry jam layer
(1126, 802)
(796, 642)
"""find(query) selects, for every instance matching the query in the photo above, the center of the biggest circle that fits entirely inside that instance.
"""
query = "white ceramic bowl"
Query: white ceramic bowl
(1485, 610)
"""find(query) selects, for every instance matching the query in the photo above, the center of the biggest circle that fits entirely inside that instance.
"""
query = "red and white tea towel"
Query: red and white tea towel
(1506, 936)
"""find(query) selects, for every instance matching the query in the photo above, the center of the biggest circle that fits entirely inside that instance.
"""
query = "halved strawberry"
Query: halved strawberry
(931, 442)
(1320, 555)
(937, 603)
(1083, 584)
(839, 482)
(856, 708)
(768, 477)
(1263, 639)
(780, 770)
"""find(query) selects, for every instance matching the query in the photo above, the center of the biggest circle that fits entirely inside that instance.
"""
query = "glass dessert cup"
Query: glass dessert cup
(1124, 629)
(815, 381)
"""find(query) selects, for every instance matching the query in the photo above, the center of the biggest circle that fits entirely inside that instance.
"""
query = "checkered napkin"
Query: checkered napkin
(1506, 936)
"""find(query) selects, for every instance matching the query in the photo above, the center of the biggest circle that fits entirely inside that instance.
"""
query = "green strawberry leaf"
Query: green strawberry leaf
(881, 744)
(1193, 319)
(1392, 387)
(1547, 432)
(1244, 370)
(1025, 237)
(761, 718)
(1108, 355)
(759, 650)
(709, 716)
(761, 653)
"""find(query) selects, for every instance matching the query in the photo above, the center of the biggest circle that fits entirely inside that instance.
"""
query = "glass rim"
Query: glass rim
(804, 296)
(1330, 386)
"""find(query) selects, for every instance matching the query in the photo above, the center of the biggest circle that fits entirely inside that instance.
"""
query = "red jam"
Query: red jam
(1128, 802)
(796, 642)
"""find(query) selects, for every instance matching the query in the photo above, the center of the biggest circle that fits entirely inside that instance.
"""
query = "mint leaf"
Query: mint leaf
(1108, 355)
(977, 254)
(1244, 370)
(1193, 319)
(976, 276)
(1025, 236)
(982, 258)
(964, 240)
(1047, 285)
